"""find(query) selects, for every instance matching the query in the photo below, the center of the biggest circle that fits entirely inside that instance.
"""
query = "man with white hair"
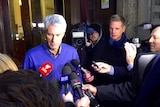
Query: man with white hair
(53, 51)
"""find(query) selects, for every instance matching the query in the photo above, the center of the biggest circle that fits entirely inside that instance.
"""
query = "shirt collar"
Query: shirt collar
(59, 51)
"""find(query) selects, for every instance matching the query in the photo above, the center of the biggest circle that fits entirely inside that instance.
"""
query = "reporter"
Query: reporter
(111, 51)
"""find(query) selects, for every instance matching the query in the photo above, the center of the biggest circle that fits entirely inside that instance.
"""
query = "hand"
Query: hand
(88, 44)
(102, 67)
(83, 102)
(68, 97)
(131, 52)
(91, 88)
(88, 77)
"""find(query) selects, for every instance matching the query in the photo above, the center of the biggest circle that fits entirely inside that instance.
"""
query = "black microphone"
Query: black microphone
(77, 85)
(65, 78)
(77, 64)
(71, 66)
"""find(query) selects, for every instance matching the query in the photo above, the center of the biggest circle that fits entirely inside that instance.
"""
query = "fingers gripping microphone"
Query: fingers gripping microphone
(77, 85)
(66, 71)
(45, 69)
(77, 64)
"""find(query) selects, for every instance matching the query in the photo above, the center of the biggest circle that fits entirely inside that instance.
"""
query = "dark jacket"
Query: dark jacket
(149, 95)
(128, 91)
(107, 52)
(113, 53)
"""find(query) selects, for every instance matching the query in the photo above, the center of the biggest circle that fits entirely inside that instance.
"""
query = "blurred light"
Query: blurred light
(17, 37)
(20, 2)
(34, 24)
(41, 25)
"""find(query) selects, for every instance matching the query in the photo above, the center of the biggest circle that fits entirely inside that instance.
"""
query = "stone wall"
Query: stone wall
(137, 13)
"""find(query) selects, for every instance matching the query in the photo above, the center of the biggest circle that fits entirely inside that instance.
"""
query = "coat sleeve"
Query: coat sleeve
(69, 104)
(116, 92)
(121, 73)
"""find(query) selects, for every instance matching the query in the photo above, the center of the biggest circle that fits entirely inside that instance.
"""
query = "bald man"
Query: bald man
(154, 41)
(149, 95)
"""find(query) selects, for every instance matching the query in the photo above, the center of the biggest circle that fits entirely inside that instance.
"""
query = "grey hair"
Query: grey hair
(56, 20)
(117, 17)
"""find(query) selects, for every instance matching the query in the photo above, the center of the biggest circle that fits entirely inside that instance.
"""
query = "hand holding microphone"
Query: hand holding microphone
(91, 88)
(83, 102)
(77, 85)
(88, 77)
(77, 64)
(68, 97)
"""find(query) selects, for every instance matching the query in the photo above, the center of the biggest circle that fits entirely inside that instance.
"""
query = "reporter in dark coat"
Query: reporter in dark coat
(149, 95)
(110, 50)
(112, 53)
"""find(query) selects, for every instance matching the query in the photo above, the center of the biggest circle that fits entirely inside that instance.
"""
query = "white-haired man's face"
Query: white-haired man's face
(154, 41)
(54, 36)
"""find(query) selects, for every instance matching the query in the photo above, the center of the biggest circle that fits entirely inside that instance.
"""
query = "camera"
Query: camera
(78, 39)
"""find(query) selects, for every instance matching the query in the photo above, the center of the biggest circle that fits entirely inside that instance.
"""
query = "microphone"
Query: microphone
(45, 69)
(77, 64)
(77, 85)
(66, 71)
(70, 65)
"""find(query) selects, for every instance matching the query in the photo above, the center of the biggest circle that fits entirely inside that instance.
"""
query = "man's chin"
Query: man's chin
(152, 50)
(53, 47)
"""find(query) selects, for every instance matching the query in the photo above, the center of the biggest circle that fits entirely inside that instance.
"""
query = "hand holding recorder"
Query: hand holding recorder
(101, 67)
